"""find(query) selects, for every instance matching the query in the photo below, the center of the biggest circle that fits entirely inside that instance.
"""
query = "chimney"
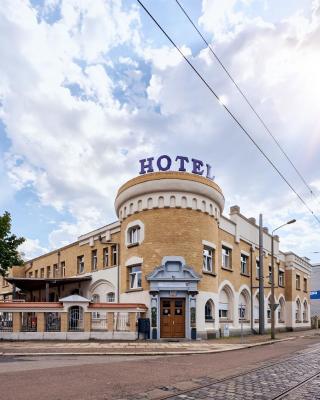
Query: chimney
(234, 210)
(252, 221)
(265, 229)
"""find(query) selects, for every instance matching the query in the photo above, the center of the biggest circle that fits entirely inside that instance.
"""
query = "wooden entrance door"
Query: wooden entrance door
(172, 318)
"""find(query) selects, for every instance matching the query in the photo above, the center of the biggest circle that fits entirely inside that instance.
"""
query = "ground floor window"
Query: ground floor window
(209, 311)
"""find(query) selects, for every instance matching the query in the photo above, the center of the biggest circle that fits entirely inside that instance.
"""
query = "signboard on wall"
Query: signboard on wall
(315, 295)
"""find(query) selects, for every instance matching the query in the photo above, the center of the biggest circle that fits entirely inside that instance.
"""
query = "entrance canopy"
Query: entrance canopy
(30, 284)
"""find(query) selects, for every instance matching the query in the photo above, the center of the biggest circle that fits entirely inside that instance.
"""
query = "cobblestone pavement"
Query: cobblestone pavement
(266, 383)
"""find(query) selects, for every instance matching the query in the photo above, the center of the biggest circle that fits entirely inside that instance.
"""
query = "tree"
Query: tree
(9, 243)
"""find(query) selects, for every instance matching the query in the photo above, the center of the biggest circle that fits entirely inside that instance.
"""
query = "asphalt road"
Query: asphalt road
(114, 377)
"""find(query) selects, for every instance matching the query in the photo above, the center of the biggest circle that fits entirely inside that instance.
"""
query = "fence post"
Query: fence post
(110, 321)
(64, 322)
(40, 321)
(87, 322)
(132, 321)
(16, 322)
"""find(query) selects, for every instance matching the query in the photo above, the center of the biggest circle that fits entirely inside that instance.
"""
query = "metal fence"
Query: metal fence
(52, 322)
(99, 321)
(75, 319)
(121, 322)
(6, 322)
(28, 322)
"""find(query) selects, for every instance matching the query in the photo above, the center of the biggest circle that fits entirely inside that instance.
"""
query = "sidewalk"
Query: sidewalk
(145, 347)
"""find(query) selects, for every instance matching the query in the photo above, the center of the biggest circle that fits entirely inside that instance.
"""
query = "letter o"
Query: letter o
(168, 163)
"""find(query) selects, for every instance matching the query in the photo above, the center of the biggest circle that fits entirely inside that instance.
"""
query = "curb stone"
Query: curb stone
(146, 353)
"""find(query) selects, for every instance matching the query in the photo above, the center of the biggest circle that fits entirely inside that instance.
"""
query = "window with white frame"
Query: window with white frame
(96, 299)
(297, 282)
(208, 259)
(110, 297)
(63, 269)
(244, 264)
(106, 257)
(80, 262)
(135, 277)
(94, 260)
(281, 277)
(134, 235)
(223, 310)
(226, 257)
(114, 255)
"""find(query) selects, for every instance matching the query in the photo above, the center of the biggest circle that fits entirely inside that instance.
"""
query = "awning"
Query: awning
(30, 284)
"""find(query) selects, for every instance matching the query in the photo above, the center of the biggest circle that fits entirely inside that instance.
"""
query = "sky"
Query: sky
(87, 88)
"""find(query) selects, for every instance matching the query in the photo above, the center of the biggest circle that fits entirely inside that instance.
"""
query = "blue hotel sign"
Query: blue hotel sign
(180, 163)
(315, 295)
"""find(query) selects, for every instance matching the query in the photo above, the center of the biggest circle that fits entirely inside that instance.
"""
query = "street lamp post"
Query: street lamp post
(272, 302)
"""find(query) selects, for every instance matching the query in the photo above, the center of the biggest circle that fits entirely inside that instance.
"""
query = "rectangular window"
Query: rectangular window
(55, 271)
(305, 284)
(36, 273)
(223, 310)
(42, 273)
(114, 254)
(80, 262)
(208, 257)
(298, 282)
(48, 272)
(30, 274)
(244, 264)
(269, 312)
(270, 274)
(242, 312)
(281, 278)
(106, 257)
(63, 269)
(94, 260)
(134, 235)
(135, 277)
(226, 257)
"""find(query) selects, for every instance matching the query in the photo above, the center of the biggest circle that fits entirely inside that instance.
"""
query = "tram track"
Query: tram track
(281, 395)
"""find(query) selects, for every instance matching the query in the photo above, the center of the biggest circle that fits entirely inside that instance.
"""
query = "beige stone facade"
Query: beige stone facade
(172, 242)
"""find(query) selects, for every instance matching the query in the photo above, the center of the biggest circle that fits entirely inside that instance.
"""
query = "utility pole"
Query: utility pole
(261, 283)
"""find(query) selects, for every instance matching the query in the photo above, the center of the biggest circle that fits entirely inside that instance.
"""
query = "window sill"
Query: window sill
(209, 321)
(282, 286)
(305, 291)
(227, 269)
(305, 321)
(209, 273)
(298, 322)
(246, 275)
(134, 290)
(229, 321)
(244, 321)
(132, 245)
(298, 288)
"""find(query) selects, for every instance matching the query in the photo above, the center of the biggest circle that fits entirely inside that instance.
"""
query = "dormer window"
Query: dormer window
(134, 235)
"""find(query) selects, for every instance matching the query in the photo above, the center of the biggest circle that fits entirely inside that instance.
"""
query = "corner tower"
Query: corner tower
(167, 219)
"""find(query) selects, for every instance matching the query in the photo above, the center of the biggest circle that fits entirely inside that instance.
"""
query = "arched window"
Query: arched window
(243, 305)
(225, 304)
(298, 311)
(269, 310)
(281, 311)
(110, 297)
(134, 235)
(209, 311)
(75, 315)
(305, 311)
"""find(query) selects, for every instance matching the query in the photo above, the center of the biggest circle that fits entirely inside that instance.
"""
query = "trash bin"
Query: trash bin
(144, 328)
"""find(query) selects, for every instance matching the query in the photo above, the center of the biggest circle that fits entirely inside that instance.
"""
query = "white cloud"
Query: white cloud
(79, 97)
(31, 248)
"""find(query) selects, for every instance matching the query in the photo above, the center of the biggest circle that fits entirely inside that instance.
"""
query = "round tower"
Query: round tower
(168, 220)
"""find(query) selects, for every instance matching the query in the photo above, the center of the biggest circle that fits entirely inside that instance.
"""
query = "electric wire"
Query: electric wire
(228, 111)
(276, 141)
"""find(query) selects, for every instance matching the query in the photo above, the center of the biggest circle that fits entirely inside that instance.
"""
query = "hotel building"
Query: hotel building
(173, 256)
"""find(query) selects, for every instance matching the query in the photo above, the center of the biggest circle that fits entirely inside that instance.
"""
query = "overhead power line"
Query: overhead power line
(276, 141)
(228, 111)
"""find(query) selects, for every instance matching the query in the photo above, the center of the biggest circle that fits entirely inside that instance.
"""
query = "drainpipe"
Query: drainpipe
(118, 273)
(251, 289)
